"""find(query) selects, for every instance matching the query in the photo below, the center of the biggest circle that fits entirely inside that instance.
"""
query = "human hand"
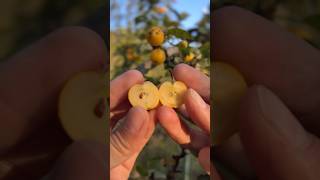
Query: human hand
(196, 107)
(128, 136)
(279, 121)
(31, 137)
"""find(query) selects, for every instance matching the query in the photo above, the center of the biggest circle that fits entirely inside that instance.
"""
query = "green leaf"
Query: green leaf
(185, 51)
(169, 23)
(152, 22)
(205, 49)
(153, 1)
(140, 19)
(152, 79)
(142, 171)
(183, 16)
(179, 33)
(313, 21)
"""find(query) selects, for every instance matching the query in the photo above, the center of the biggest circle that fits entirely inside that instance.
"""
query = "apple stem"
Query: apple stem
(171, 74)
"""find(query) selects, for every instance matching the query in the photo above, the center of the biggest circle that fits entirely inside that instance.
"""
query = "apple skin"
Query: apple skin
(77, 107)
(228, 87)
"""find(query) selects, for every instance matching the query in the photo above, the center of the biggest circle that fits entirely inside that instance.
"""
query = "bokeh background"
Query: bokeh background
(300, 17)
(25, 21)
(129, 23)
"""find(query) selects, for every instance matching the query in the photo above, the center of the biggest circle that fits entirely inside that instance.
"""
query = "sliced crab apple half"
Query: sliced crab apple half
(171, 94)
(228, 88)
(82, 106)
(145, 95)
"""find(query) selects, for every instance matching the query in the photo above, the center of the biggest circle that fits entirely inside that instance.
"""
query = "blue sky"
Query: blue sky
(195, 9)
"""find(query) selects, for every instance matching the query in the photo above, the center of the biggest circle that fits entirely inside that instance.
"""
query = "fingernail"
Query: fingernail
(279, 117)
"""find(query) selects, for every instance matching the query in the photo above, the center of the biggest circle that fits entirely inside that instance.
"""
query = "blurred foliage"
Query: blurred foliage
(24, 21)
(161, 158)
(300, 17)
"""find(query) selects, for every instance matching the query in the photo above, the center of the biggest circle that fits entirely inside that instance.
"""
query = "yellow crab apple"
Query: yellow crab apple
(158, 56)
(160, 10)
(171, 94)
(228, 86)
(183, 44)
(155, 36)
(82, 106)
(145, 95)
(189, 57)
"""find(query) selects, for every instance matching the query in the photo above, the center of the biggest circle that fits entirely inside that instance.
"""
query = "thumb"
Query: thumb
(82, 160)
(276, 144)
(129, 137)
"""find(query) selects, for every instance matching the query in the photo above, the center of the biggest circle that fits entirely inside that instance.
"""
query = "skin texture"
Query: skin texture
(279, 115)
(197, 140)
(128, 139)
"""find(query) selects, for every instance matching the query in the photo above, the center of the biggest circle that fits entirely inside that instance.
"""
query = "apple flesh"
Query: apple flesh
(229, 87)
(82, 106)
(172, 94)
(144, 95)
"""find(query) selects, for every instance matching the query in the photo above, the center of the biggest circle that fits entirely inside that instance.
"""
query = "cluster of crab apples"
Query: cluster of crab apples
(156, 38)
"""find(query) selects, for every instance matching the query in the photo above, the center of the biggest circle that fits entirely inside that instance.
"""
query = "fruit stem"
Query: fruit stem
(171, 74)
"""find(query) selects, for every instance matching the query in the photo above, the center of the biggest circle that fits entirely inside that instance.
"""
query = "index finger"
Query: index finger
(193, 79)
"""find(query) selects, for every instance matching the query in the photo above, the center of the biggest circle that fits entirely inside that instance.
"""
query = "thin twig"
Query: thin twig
(174, 170)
